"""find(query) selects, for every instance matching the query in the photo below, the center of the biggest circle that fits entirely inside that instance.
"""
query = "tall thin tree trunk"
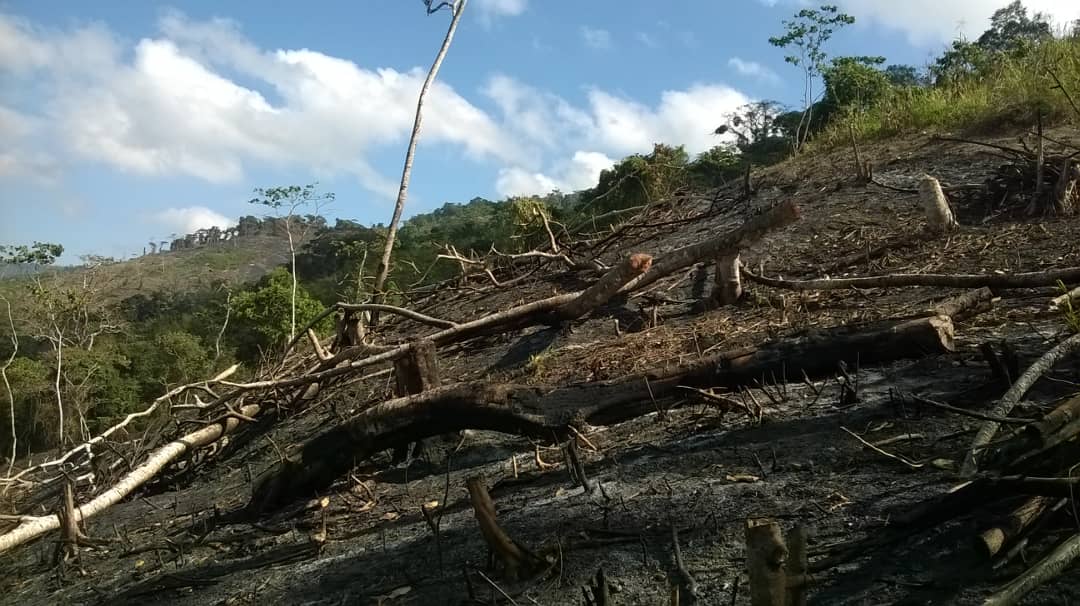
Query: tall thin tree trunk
(458, 8)
(59, 398)
(7, 384)
(292, 257)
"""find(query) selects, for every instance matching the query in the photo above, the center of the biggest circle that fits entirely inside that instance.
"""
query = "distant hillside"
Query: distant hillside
(233, 262)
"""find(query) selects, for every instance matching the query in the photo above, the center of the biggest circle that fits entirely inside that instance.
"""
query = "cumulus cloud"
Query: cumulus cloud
(190, 219)
(201, 100)
(596, 38)
(580, 172)
(626, 126)
(931, 22)
(610, 126)
(168, 110)
(753, 69)
(18, 156)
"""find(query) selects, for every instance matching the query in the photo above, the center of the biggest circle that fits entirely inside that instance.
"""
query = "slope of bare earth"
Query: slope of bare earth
(686, 465)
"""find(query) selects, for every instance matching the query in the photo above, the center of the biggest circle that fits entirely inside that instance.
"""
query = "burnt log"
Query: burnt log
(548, 412)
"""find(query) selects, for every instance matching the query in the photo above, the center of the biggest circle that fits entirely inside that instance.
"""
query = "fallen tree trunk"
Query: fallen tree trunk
(992, 540)
(31, 527)
(753, 230)
(970, 303)
(547, 412)
(606, 287)
(1021, 280)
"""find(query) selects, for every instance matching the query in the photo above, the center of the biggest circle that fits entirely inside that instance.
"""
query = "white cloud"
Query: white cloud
(19, 157)
(932, 22)
(168, 110)
(754, 69)
(190, 219)
(683, 117)
(201, 100)
(580, 172)
(499, 8)
(596, 37)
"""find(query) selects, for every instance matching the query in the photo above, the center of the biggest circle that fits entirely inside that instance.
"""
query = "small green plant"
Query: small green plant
(538, 363)
(1071, 314)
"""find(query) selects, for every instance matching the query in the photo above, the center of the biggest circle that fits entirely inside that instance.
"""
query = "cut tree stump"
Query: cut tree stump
(766, 559)
(939, 216)
(992, 540)
(415, 373)
(728, 287)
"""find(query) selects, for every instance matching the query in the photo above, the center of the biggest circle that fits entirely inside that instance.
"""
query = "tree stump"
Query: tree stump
(728, 287)
(939, 216)
(415, 373)
(766, 558)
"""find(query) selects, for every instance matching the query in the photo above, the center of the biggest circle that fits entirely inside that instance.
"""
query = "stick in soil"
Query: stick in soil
(577, 467)
(596, 592)
(517, 561)
(688, 579)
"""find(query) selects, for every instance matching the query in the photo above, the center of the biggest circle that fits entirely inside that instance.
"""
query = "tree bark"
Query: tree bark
(517, 562)
(970, 303)
(737, 239)
(1045, 569)
(991, 541)
(413, 374)
(1021, 280)
(458, 7)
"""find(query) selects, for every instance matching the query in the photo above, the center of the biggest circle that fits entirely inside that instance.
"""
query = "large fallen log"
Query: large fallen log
(547, 412)
(31, 527)
(731, 242)
(1020, 280)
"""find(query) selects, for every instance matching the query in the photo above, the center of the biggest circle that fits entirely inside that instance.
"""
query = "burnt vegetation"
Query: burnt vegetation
(834, 360)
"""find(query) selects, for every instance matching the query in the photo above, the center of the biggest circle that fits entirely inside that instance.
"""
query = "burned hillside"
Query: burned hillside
(870, 416)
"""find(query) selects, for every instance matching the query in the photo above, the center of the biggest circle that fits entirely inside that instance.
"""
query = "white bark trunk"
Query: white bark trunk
(31, 527)
(391, 233)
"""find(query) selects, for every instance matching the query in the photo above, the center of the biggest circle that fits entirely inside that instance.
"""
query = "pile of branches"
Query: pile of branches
(1031, 473)
(1034, 181)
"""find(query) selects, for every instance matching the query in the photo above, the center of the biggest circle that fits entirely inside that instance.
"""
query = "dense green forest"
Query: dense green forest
(80, 351)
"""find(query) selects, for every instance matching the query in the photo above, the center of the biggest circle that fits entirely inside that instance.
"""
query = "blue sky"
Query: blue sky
(122, 122)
